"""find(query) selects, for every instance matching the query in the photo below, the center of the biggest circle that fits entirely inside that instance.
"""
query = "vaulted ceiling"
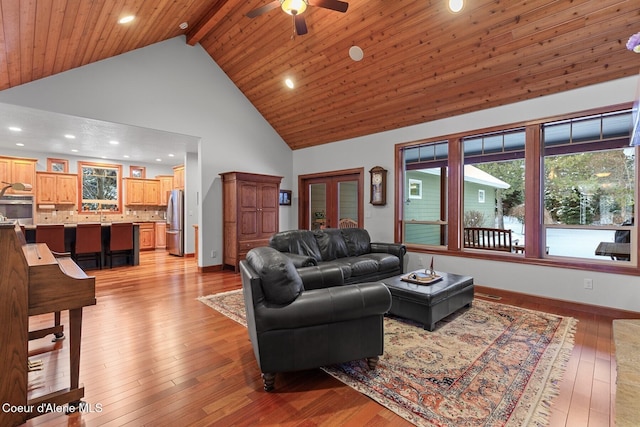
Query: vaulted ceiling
(421, 62)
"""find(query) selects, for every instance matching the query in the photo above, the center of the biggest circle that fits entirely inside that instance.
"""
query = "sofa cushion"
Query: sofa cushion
(385, 261)
(362, 265)
(358, 241)
(281, 283)
(301, 242)
(331, 243)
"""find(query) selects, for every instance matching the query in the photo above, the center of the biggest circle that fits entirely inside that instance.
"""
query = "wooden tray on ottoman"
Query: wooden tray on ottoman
(420, 278)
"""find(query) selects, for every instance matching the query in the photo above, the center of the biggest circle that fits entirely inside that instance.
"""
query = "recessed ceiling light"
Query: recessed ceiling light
(456, 5)
(114, 142)
(126, 19)
(158, 160)
(15, 129)
(69, 136)
(103, 157)
(356, 53)
(184, 26)
(74, 150)
(126, 156)
(19, 144)
(171, 155)
(289, 83)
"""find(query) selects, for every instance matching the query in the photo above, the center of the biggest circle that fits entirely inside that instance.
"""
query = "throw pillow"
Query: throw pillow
(281, 283)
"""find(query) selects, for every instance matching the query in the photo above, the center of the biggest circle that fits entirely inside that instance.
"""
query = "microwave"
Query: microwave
(18, 207)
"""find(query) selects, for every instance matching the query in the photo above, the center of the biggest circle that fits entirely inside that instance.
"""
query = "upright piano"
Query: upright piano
(33, 281)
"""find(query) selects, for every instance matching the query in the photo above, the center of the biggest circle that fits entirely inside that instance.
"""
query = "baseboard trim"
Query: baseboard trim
(210, 268)
(551, 302)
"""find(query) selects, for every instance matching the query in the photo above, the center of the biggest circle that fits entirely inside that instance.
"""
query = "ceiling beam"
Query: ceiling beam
(219, 10)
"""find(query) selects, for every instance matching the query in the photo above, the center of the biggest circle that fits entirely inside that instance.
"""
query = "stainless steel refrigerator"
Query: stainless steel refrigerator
(175, 223)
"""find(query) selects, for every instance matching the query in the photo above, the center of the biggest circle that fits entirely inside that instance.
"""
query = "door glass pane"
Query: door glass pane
(348, 204)
(318, 205)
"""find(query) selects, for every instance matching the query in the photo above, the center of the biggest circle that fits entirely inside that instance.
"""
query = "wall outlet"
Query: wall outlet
(588, 284)
(214, 254)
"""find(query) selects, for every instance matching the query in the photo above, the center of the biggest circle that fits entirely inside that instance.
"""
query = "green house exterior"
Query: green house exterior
(479, 195)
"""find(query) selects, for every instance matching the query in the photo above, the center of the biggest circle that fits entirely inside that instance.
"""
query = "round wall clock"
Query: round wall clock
(378, 186)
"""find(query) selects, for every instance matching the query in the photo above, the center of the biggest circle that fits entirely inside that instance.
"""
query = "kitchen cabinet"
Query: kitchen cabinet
(250, 213)
(147, 236)
(140, 191)
(161, 235)
(56, 188)
(178, 177)
(17, 169)
(166, 185)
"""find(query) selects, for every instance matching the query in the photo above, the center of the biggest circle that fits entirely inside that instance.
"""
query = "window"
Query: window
(589, 185)
(137, 172)
(494, 182)
(415, 188)
(425, 198)
(568, 186)
(57, 165)
(100, 186)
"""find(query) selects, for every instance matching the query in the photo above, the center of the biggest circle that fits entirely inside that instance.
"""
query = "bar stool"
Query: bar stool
(89, 242)
(52, 235)
(121, 242)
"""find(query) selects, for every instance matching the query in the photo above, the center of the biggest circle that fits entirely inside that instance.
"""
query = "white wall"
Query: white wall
(610, 290)
(174, 87)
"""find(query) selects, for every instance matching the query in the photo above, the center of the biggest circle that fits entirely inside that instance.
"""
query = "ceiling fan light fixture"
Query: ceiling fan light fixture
(456, 6)
(293, 7)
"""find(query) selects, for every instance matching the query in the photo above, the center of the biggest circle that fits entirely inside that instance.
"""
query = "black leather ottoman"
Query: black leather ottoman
(428, 304)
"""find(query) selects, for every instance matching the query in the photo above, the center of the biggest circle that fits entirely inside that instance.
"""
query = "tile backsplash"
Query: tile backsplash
(61, 216)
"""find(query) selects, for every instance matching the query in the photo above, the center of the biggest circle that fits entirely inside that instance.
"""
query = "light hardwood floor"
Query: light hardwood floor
(153, 355)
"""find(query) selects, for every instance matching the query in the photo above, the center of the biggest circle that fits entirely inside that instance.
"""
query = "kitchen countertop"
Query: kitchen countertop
(104, 224)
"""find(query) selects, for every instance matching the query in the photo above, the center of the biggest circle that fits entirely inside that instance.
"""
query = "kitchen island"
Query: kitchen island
(70, 242)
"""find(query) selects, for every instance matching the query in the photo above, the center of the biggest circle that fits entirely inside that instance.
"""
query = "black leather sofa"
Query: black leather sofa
(350, 249)
(304, 319)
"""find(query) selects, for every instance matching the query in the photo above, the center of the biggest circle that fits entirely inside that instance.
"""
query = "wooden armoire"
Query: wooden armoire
(250, 213)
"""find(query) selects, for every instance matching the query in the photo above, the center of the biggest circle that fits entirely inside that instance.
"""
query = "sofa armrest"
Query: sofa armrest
(300, 260)
(324, 306)
(397, 249)
(320, 277)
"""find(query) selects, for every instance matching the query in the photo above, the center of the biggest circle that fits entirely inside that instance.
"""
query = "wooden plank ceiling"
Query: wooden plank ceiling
(421, 62)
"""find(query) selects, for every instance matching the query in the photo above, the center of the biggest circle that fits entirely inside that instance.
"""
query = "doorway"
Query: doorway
(331, 199)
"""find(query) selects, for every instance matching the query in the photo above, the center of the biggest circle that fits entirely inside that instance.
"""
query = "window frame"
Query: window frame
(119, 189)
(52, 163)
(535, 252)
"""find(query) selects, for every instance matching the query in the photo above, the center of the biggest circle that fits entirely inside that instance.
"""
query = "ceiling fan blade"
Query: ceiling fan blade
(264, 9)
(301, 25)
(337, 5)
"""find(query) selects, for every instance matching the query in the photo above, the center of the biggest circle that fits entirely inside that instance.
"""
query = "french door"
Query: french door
(331, 199)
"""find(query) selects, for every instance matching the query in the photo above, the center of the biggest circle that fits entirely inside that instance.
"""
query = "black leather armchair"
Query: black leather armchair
(304, 319)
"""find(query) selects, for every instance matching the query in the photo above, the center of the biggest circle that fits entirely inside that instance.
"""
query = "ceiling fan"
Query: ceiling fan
(295, 8)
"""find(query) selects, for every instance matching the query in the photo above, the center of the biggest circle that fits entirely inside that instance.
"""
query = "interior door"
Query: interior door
(331, 200)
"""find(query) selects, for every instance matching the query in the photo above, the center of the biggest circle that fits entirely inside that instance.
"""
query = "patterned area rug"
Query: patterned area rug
(489, 365)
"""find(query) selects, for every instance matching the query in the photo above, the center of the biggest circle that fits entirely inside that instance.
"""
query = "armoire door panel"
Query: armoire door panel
(248, 223)
(269, 223)
(248, 195)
